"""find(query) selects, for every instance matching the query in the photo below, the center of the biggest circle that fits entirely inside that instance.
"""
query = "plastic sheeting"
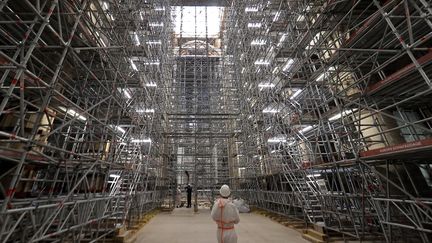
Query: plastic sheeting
(241, 205)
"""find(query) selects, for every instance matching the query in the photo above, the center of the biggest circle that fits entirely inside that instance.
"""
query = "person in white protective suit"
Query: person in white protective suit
(178, 197)
(225, 214)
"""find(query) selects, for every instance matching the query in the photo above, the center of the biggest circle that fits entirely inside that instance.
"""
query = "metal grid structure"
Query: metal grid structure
(336, 122)
(317, 110)
(202, 104)
(82, 143)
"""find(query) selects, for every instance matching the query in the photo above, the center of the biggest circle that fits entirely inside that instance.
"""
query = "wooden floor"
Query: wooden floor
(182, 225)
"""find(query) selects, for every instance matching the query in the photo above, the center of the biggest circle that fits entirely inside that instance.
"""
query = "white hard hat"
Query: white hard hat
(225, 191)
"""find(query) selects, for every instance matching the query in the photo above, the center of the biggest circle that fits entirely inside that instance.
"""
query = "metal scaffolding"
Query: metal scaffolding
(317, 110)
(335, 120)
(82, 142)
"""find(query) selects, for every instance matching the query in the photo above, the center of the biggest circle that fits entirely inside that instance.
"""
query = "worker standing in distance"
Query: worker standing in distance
(225, 214)
(189, 195)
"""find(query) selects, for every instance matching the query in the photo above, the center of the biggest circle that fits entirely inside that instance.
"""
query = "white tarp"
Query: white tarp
(241, 205)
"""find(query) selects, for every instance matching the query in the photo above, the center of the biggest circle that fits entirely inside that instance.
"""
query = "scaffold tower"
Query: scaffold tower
(319, 111)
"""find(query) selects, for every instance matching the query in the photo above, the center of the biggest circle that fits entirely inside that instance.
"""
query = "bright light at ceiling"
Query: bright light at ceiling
(146, 111)
(254, 25)
(277, 140)
(262, 62)
(266, 85)
(281, 139)
(270, 110)
(154, 42)
(258, 42)
(313, 175)
(147, 140)
(154, 24)
(193, 21)
(152, 63)
(151, 84)
(251, 9)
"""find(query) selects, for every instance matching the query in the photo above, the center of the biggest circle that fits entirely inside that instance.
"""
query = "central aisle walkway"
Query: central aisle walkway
(183, 226)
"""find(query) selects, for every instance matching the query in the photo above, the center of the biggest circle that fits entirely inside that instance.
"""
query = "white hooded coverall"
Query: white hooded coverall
(178, 197)
(226, 214)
